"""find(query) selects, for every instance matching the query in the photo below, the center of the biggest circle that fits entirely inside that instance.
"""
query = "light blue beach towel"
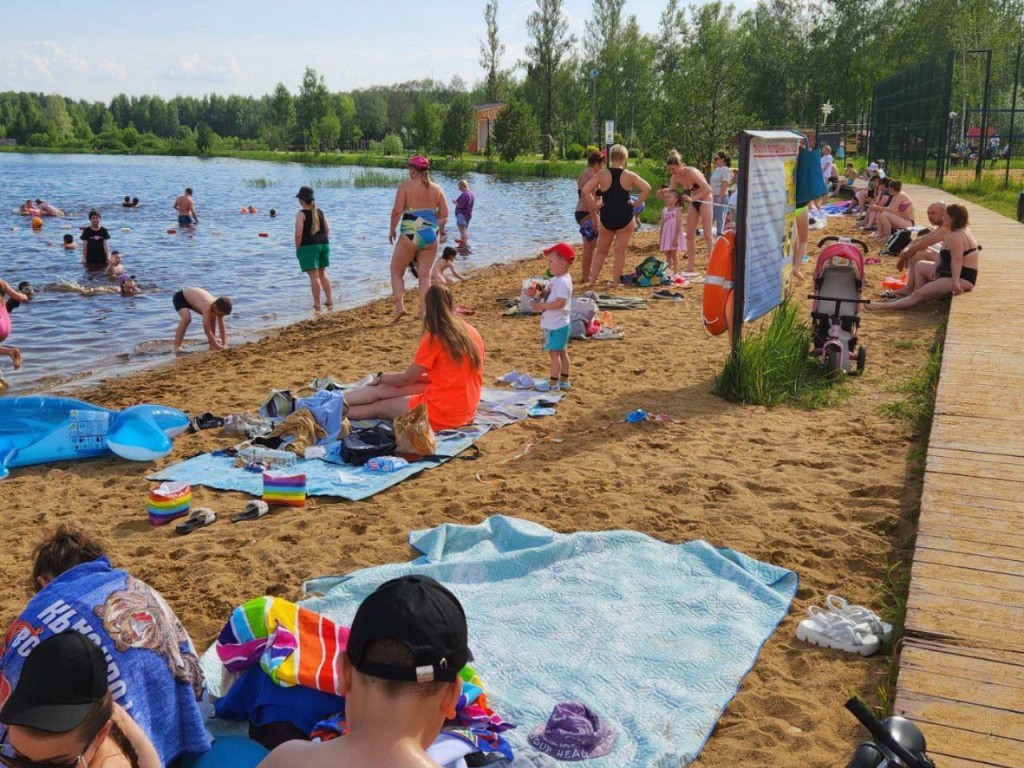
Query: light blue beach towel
(655, 637)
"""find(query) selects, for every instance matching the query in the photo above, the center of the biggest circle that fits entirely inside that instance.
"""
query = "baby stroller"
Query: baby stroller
(835, 314)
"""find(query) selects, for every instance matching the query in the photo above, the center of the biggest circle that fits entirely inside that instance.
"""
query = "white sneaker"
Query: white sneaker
(831, 630)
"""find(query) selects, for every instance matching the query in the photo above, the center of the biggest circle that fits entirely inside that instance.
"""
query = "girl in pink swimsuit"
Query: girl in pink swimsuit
(16, 297)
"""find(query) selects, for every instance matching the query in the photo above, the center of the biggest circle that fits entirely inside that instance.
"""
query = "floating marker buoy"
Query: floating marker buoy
(37, 223)
(264, 234)
(172, 231)
(126, 229)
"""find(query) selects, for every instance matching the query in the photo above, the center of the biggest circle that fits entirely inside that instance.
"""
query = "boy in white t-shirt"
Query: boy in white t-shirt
(554, 319)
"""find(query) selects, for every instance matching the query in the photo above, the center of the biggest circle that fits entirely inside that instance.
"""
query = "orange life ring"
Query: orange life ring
(895, 283)
(718, 285)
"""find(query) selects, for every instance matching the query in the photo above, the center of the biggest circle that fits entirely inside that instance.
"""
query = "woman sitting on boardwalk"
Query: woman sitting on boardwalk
(954, 273)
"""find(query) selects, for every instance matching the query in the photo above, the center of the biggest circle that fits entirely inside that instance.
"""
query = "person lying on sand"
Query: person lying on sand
(213, 311)
(399, 676)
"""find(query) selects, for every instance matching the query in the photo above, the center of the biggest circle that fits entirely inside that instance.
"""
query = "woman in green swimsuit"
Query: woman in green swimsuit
(420, 211)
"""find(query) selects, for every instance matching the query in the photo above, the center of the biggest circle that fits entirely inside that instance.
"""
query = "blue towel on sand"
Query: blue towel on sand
(152, 669)
(655, 637)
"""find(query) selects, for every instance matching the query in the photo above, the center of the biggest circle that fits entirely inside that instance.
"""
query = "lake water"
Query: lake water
(66, 337)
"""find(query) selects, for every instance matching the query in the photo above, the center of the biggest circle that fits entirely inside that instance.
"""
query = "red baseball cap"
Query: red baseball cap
(562, 249)
(420, 162)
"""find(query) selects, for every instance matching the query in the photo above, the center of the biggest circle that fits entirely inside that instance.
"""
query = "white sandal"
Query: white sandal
(860, 616)
(832, 630)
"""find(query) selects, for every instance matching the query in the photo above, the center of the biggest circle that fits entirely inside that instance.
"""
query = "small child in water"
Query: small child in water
(69, 243)
(9, 300)
(445, 264)
(128, 285)
(114, 267)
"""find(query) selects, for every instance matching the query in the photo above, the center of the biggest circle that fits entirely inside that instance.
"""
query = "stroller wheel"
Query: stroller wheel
(862, 357)
(833, 361)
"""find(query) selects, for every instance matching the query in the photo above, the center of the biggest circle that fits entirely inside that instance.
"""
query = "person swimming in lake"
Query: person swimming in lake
(69, 243)
(130, 202)
(95, 243)
(186, 208)
(10, 298)
(128, 285)
(114, 266)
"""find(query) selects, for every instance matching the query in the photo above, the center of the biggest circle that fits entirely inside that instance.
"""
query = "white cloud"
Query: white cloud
(113, 68)
(222, 67)
(49, 61)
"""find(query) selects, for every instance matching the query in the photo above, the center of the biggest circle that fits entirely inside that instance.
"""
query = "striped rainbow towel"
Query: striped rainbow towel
(294, 645)
(168, 501)
(284, 489)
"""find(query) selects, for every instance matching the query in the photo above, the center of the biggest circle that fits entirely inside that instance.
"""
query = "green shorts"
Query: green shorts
(314, 256)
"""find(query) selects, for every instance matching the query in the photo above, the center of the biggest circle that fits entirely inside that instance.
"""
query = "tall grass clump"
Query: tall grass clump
(919, 404)
(260, 182)
(373, 178)
(773, 366)
(331, 183)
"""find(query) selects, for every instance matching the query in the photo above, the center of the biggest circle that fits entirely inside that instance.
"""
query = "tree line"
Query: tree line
(703, 74)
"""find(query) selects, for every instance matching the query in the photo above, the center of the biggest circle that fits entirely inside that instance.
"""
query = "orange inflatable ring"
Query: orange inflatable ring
(895, 283)
(718, 285)
(37, 223)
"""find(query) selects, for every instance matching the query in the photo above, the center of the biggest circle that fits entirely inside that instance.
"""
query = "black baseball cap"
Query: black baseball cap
(306, 194)
(420, 613)
(63, 677)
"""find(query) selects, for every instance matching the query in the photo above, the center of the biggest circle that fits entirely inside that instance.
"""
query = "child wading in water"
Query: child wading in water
(673, 236)
(555, 315)
(445, 264)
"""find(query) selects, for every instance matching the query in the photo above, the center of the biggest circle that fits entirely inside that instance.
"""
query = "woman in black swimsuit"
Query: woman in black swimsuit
(955, 272)
(595, 163)
(699, 194)
(617, 210)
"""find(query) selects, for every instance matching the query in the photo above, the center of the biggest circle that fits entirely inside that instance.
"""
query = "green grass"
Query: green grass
(918, 405)
(374, 178)
(893, 610)
(330, 183)
(260, 182)
(773, 366)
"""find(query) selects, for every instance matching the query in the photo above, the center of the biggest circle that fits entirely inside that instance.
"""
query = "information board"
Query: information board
(609, 132)
(766, 202)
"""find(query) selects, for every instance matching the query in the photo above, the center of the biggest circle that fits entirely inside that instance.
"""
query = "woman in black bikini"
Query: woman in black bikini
(595, 163)
(955, 272)
(617, 211)
(699, 194)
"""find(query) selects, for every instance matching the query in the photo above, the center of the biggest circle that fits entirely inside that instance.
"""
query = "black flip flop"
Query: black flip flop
(253, 510)
(198, 518)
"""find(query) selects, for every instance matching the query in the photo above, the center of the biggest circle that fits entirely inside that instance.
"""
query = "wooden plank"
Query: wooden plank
(976, 593)
(923, 572)
(984, 619)
(966, 546)
(987, 749)
(975, 718)
(995, 488)
(951, 761)
(983, 530)
(976, 562)
(961, 664)
(946, 627)
(956, 454)
(970, 504)
(976, 466)
(952, 688)
(983, 654)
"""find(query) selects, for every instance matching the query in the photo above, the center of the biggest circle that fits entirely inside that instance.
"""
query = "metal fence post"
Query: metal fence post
(984, 113)
(1013, 115)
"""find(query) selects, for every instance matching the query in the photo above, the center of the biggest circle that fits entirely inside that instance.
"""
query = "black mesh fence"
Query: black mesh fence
(911, 120)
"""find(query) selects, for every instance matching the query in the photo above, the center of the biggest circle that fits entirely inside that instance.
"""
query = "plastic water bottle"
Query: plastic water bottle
(386, 463)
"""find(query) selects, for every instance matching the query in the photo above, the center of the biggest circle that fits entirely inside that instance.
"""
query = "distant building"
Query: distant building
(9, 142)
(485, 116)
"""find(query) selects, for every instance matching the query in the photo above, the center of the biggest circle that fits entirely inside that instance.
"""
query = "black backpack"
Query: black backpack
(898, 240)
(360, 446)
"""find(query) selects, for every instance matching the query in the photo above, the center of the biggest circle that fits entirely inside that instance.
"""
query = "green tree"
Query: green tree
(548, 27)
(345, 108)
(206, 138)
(184, 141)
(58, 122)
(329, 130)
(426, 123)
(515, 131)
(311, 106)
(491, 51)
(392, 144)
(371, 114)
(459, 125)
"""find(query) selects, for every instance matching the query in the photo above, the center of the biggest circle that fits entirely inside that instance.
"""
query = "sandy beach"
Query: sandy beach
(831, 494)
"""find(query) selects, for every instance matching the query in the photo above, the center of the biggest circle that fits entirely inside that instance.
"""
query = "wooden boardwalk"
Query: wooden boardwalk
(962, 667)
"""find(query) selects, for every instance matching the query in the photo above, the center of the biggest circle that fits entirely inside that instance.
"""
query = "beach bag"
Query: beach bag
(364, 444)
(284, 489)
(168, 501)
(898, 240)
(810, 184)
(413, 434)
(652, 271)
(279, 403)
(583, 308)
(533, 289)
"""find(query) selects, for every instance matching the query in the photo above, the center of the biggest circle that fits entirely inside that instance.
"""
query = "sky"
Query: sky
(98, 49)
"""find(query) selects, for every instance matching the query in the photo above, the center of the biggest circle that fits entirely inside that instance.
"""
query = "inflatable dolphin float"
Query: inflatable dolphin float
(39, 430)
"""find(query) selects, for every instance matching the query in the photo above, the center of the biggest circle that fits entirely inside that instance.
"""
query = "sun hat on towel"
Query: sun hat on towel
(573, 732)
